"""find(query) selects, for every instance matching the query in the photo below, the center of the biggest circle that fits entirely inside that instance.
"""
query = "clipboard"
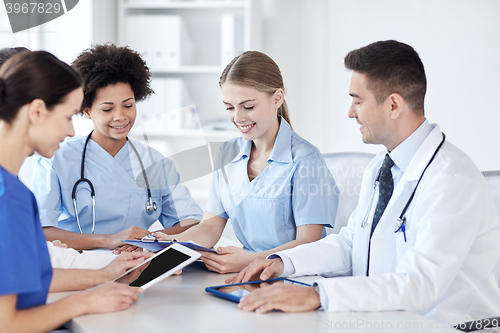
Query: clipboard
(156, 245)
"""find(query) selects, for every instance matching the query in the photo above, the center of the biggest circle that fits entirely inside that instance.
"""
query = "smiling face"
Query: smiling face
(113, 113)
(254, 113)
(56, 124)
(373, 117)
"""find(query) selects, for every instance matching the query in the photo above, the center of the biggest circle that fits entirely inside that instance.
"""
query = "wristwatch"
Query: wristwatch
(316, 289)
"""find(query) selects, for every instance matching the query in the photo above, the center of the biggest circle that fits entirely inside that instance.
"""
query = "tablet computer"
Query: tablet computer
(234, 292)
(163, 264)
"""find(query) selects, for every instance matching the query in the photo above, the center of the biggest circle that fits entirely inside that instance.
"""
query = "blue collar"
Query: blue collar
(282, 149)
(245, 149)
(404, 152)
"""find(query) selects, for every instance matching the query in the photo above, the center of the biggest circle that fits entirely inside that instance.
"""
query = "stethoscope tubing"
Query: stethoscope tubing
(150, 204)
(401, 220)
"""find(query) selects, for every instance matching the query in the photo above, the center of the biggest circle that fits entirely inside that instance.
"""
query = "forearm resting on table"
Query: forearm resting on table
(206, 233)
(305, 234)
(180, 227)
(76, 240)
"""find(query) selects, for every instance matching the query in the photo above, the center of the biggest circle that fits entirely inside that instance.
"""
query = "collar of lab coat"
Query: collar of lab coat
(415, 168)
(420, 159)
(423, 154)
(404, 152)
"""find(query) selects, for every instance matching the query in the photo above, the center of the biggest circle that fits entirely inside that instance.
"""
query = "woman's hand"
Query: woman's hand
(123, 263)
(109, 297)
(162, 236)
(115, 240)
(127, 248)
(228, 259)
(58, 243)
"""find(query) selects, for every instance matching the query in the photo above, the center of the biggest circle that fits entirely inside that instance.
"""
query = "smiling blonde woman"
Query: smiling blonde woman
(276, 189)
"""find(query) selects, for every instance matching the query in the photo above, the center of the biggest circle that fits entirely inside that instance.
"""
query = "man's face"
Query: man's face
(373, 117)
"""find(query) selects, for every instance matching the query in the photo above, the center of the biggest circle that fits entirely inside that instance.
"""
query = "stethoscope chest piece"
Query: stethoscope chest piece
(150, 206)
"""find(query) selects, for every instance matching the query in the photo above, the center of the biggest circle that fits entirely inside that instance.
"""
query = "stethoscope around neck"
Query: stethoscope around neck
(150, 205)
(400, 222)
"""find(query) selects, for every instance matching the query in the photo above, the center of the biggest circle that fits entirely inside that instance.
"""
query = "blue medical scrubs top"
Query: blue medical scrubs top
(295, 189)
(24, 258)
(120, 190)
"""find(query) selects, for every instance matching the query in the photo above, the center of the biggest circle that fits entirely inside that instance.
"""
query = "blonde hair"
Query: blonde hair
(256, 70)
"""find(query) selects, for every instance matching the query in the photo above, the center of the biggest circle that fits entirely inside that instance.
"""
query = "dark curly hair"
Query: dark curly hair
(104, 65)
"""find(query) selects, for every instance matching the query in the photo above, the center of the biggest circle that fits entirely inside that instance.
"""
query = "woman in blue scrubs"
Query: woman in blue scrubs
(39, 94)
(115, 78)
(272, 184)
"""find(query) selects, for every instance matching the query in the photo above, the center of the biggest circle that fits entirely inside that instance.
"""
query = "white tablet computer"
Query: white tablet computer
(163, 264)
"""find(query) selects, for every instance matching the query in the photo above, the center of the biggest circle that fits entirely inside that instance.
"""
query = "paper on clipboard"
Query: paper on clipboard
(160, 245)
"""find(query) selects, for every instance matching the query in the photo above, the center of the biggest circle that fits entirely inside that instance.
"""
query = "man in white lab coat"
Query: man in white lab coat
(439, 256)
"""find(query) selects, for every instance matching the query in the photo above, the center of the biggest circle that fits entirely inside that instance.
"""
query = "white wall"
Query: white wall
(294, 34)
(70, 34)
(65, 37)
(456, 39)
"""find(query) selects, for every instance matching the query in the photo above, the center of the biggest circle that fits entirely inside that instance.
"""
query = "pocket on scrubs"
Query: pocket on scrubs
(263, 222)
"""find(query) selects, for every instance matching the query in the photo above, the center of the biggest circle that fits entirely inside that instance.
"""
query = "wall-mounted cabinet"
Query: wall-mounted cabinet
(186, 45)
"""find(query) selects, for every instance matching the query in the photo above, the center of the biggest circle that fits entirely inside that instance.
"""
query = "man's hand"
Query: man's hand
(280, 296)
(228, 259)
(259, 269)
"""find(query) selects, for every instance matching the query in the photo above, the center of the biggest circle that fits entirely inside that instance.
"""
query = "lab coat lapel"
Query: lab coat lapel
(383, 247)
(362, 234)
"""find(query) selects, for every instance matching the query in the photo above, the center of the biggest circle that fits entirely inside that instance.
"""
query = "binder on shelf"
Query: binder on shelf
(232, 37)
(170, 48)
(163, 111)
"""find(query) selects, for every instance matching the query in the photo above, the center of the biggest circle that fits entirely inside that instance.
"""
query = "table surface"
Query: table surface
(180, 304)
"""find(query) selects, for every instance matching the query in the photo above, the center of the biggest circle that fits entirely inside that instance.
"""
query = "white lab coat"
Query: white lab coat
(447, 269)
(70, 258)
